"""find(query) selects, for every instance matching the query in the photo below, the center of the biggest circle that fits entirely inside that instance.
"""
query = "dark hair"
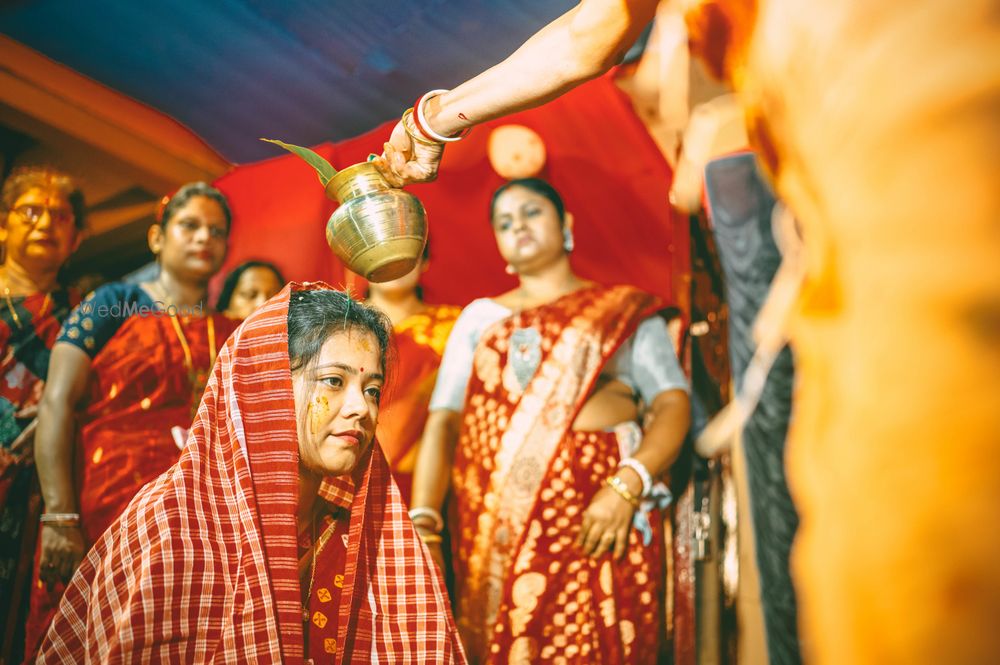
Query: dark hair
(188, 192)
(233, 278)
(25, 178)
(536, 185)
(313, 316)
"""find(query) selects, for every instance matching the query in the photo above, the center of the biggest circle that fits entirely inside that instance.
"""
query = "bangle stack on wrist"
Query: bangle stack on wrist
(426, 134)
(641, 471)
(60, 519)
(414, 133)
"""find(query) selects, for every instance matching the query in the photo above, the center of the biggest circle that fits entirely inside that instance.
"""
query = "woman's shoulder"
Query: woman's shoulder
(116, 292)
(485, 309)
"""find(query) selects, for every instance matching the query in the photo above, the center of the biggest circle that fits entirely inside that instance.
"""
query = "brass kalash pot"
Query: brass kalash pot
(378, 231)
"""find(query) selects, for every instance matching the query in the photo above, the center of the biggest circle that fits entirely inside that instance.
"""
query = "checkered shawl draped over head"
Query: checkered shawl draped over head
(202, 566)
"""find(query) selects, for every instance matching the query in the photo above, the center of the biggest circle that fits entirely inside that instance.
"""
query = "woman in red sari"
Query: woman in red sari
(420, 332)
(42, 213)
(283, 444)
(129, 366)
(536, 413)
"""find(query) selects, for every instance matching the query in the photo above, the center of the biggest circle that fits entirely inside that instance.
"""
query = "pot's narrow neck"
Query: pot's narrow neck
(356, 181)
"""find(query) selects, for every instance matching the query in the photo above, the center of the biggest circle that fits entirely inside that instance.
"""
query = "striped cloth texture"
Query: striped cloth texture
(203, 564)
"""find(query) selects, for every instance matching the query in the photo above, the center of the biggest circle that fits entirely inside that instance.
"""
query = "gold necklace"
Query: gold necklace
(317, 547)
(13, 312)
(197, 379)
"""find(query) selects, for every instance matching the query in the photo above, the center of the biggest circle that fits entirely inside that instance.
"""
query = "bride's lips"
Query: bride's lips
(351, 437)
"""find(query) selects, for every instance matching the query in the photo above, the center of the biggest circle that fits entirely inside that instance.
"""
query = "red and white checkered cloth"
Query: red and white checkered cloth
(202, 566)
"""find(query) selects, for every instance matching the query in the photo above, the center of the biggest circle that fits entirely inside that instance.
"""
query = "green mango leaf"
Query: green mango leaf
(324, 169)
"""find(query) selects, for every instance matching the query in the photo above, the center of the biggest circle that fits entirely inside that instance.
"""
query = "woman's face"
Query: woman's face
(528, 229)
(192, 244)
(254, 287)
(40, 231)
(336, 403)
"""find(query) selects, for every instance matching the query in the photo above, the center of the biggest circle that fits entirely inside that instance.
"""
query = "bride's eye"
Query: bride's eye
(333, 381)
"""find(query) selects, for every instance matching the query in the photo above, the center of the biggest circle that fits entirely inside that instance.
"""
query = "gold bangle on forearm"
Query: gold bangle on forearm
(619, 486)
(415, 136)
(430, 538)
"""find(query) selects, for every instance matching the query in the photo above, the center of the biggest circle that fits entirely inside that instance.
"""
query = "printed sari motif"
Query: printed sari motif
(420, 340)
(144, 593)
(140, 389)
(521, 481)
(135, 420)
(26, 343)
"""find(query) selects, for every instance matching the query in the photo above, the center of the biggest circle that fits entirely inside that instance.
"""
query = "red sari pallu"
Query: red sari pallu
(522, 479)
(203, 565)
(420, 341)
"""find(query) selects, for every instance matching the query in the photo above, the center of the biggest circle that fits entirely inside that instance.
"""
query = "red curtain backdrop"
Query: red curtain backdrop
(600, 158)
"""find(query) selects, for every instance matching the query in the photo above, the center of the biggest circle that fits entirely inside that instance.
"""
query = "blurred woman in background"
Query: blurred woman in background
(127, 371)
(41, 211)
(420, 332)
(557, 407)
(247, 287)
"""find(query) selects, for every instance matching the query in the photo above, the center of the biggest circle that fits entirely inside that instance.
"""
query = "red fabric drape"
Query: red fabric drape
(601, 158)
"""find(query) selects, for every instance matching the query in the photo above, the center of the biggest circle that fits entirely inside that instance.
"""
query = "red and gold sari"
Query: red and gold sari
(140, 389)
(420, 341)
(29, 326)
(203, 565)
(522, 479)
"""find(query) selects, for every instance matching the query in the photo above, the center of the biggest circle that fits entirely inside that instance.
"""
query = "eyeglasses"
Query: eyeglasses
(31, 213)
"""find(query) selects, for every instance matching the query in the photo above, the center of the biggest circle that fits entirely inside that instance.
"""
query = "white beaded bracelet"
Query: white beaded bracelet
(641, 471)
(431, 513)
(425, 127)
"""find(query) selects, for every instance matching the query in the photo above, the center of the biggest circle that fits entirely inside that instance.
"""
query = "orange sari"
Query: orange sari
(522, 479)
(420, 341)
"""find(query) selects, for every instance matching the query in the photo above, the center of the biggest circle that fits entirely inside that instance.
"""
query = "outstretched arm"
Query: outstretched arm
(581, 44)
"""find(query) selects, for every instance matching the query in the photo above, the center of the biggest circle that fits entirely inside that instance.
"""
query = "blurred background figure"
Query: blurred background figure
(420, 332)
(127, 370)
(41, 222)
(557, 407)
(247, 287)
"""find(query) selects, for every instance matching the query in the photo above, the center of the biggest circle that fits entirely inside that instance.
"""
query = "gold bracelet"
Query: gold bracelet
(412, 134)
(430, 538)
(619, 486)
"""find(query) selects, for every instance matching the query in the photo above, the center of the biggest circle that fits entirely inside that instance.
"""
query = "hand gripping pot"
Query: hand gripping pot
(378, 231)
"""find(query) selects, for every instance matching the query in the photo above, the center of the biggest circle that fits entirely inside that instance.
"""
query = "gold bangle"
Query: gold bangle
(619, 486)
(430, 538)
(413, 135)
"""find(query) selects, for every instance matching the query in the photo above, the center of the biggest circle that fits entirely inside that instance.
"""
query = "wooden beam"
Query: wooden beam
(107, 220)
(103, 118)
